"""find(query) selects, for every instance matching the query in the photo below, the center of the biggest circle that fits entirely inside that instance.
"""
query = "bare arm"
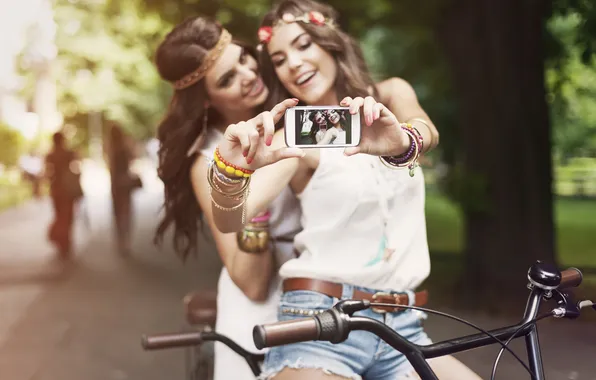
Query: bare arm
(266, 184)
(401, 99)
(328, 136)
(251, 272)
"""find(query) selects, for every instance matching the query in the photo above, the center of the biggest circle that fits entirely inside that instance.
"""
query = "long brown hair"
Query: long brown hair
(353, 77)
(182, 52)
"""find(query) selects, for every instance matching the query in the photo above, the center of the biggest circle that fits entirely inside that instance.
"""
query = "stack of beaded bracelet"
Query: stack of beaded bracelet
(254, 237)
(410, 158)
(230, 168)
(219, 181)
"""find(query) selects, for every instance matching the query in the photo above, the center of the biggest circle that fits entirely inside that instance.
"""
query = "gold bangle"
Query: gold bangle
(240, 195)
(234, 208)
(430, 143)
(212, 184)
(253, 240)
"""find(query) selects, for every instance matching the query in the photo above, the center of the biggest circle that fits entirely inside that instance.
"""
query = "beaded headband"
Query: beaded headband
(212, 55)
(312, 17)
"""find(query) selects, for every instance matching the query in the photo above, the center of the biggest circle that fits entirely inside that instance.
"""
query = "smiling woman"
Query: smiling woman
(217, 83)
(315, 63)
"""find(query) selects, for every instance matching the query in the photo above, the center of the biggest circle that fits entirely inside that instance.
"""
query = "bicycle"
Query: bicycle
(201, 310)
(545, 282)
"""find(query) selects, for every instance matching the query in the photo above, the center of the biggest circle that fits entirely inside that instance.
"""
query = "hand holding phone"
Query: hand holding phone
(321, 127)
(247, 144)
(381, 136)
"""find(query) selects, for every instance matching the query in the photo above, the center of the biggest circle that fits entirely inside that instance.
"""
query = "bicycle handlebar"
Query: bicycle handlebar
(286, 332)
(334, 325)
(163, 341)
(571, 278)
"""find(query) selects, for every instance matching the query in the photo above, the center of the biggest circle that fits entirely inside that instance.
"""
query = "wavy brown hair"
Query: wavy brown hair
(353, 77)
(181, 52)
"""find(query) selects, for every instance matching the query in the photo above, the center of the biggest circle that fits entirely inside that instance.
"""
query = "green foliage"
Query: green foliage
(12, 145)
(572, 90)
(104, 63)
(574, 227)
(585, 36)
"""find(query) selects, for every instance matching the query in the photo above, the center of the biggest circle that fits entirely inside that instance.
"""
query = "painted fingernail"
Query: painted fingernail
(248, 160)
(269, 139)
(245, 153)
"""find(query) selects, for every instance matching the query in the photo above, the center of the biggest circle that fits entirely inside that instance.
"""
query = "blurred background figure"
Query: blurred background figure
(31, 166)
(62, 169)
(121, 155)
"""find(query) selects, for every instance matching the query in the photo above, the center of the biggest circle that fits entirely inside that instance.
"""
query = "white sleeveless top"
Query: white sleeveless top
(284, 224)
(340, 136)
(362, 224)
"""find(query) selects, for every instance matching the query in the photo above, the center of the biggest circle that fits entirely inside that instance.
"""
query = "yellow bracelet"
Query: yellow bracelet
(229, 168)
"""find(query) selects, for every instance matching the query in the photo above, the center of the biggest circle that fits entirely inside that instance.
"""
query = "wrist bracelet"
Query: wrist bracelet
(239, 195)
(410, 158)
(224, 178)
(230, 168)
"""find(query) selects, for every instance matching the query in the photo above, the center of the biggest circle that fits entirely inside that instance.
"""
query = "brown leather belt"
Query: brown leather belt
(333, 289)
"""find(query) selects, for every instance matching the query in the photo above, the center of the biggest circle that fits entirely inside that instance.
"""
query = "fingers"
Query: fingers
(356, 104)
(284, 153)
(237, 131)
(352, 151)
(385, 113)
(346, 101)
(268, 127)
(280, 108)
(377, 108)
(368, 111)
(253, 136)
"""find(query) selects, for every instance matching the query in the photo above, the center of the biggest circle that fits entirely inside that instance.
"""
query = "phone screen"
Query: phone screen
(324, 126)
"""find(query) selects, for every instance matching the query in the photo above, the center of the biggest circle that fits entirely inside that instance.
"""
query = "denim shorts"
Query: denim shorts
(363, 354)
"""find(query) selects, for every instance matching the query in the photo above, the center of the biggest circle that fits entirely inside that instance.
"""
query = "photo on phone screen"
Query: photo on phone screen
(324, 126)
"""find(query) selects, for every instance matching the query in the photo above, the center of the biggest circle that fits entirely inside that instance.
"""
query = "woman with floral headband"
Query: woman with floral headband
(216, 83)
(364, 233)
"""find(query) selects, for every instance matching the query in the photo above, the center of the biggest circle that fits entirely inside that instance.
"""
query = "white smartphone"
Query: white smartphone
(321, 127)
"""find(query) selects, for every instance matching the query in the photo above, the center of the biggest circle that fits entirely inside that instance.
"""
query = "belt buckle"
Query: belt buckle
(383, 297)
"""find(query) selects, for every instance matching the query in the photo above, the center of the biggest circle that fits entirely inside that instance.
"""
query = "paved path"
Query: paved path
(84, 321)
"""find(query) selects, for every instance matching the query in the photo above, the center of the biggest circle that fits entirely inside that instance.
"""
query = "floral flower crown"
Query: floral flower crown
(312, 17)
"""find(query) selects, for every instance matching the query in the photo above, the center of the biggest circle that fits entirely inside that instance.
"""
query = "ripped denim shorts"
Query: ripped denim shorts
(361, 355)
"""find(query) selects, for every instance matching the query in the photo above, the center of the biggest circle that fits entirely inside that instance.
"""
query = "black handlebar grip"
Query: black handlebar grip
(158, 342)
(286, 332)
(571, 278)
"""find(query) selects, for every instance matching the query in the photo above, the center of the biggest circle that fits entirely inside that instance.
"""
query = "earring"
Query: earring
(205, 118)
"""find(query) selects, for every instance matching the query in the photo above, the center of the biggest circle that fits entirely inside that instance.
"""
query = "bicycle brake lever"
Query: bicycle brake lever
(349, 307)
(586, 303)
(567, 308)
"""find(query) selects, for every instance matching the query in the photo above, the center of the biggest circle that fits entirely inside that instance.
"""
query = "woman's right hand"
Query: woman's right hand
(246, 144)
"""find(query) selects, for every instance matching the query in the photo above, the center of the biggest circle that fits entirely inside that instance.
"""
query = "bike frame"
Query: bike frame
(417, 354)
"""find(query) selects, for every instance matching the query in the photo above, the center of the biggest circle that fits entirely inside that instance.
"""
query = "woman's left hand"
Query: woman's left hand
(380, 133)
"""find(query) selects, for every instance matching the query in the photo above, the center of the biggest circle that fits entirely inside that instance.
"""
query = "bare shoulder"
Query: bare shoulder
(395, 87)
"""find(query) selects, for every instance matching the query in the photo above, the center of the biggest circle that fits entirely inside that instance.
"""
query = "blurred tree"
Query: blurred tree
(496, 54)
(571, 82)
(12, 145)
(104, 64)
